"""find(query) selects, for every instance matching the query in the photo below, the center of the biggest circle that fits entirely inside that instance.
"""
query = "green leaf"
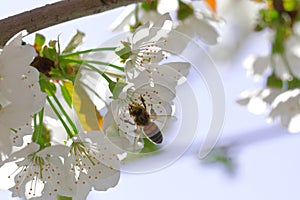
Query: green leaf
(50, 52)
(63, 198)
(294, 83)
(274, 82)
(280, 36)
(117, 88)
(149, 146)
(184, 10)
(39, 42)
(149, 7)
(44, 139)
(270, 16)
(66, 95)
(76, 41)
(84, 108)
(290, 5)
(47, 86)
(124, 52)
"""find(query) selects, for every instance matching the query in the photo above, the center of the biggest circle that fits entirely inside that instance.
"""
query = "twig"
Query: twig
(56, 13)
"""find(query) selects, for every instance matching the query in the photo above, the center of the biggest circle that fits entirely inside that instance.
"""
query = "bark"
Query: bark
(56, 13)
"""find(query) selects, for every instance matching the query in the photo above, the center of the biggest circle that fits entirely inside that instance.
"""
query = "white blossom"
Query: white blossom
(147, 52)
(40, 172)
(284, 65)
(286, 106)
(94, 162)
(258, 101)
(146, 45)
(202, 23)
(127, 17)
(19, 91)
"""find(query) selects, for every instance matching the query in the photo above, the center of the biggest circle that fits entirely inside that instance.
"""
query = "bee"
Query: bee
(143, 119)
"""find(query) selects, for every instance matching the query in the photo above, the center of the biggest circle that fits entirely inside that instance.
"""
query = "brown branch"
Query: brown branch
(55, 13)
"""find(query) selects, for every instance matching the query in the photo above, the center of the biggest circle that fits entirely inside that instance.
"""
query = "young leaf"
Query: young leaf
(184, 11)
(65, 93)
(148, 146)
(149, 6)
(294, 83)
(39, 41)
(76, 41)
(50, 52)
(274, 82)
(117, 88)
(85, 109)
(124, 52)
(47, 86)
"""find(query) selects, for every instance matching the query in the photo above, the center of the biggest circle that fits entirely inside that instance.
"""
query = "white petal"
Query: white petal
(83, 187)
(123, 19)
(56, 150)
(281, 68)
(260, 65)
(23, 153)
(108, 179)
(19, 133)
(203, 29)
(294, 64)
(5, 143)
(15, 56)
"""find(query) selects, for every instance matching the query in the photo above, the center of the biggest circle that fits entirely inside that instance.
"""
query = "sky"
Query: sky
(267, 159)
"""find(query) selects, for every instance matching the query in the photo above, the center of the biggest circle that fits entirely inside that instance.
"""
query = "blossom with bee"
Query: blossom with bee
(20, 94)
(141, 107)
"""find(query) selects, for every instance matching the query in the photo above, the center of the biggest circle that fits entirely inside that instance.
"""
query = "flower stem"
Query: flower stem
(100, 72)
(69, 132)
(51, 93)
(38, 128)
(88, 51)
(65, 114)
(84, 62)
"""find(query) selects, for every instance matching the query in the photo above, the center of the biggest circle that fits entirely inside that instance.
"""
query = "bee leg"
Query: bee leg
(129, 122)
(136, 138)
(135, 143)
(153, 114)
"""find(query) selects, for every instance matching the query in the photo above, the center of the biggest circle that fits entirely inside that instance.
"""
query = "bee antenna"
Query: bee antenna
(143, 101)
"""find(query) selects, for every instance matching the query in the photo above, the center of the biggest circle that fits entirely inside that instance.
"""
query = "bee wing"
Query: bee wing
(153, 87)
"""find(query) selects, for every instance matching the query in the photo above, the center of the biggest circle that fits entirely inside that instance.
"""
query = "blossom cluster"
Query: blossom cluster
(192, 18)
(37, 165)
(43, 149)
(143, 101)
(278, 68)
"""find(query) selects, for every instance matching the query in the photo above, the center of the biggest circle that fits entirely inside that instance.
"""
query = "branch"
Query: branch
(56, 13)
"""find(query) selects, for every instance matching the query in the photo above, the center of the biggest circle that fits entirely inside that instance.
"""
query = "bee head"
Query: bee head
(135, 110)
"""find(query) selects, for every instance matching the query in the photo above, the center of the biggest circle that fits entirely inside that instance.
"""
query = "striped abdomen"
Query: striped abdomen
(152, 131)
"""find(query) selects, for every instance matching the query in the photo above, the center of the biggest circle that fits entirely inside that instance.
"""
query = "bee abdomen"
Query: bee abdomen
(153, 133)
